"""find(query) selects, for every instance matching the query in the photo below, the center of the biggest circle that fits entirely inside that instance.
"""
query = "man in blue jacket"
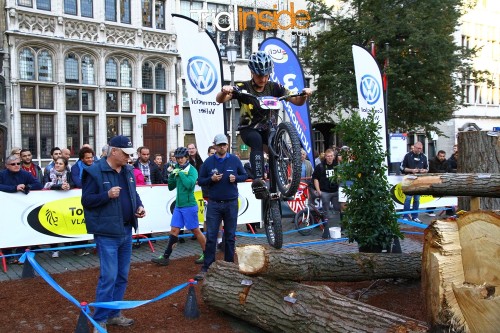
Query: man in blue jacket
(13, 179)
(111, 206)
(220, 173)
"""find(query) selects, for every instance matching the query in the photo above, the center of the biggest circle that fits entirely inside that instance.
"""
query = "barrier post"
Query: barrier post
(82, 325)
(191, 310)
(28, 271)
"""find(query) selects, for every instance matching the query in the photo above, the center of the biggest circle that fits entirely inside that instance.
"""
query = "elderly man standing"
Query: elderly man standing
(414, 162)
(111, 206)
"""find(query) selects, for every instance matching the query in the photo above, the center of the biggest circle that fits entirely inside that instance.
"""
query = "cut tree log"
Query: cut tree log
(461, 272)
(287, 306)
(453, 184)
(298, 264)
(478, 153)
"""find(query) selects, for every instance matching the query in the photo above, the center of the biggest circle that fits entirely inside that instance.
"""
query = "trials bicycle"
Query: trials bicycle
(284, 163)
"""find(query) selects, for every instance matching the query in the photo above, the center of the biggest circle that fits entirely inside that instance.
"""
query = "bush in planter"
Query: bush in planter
(370, 216)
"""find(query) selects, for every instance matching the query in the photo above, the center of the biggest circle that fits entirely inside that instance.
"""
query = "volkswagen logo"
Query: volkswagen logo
(370, 89)
(202, 74)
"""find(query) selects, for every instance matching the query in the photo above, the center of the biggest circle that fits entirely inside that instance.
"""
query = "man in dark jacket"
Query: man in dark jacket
(111, 206)
(13, 180)
(151, 172)
(221, 173)
(414, 162)
(439, 164)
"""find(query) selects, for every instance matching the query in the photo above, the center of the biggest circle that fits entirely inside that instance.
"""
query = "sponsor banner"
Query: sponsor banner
(369, 87)
(202, 67)
(288, 72)
(46, 217)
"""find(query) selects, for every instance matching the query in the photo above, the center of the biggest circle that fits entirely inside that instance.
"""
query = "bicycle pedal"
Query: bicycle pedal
(259, 189)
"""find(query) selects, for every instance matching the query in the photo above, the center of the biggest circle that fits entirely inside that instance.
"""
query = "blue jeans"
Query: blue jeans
(114, 255)
(416, 203)
(216, 213)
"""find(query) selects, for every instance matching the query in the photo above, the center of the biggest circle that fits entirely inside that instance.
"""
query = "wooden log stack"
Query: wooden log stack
(263, 290)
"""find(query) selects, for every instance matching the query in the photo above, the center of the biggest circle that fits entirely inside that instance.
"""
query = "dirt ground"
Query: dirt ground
(31, 305)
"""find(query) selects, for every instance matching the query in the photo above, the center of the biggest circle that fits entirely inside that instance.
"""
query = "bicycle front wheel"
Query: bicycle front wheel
(272, 224)
(302, 219)
(286, 144)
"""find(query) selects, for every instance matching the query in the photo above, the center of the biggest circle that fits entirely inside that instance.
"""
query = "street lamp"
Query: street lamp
(231, 51)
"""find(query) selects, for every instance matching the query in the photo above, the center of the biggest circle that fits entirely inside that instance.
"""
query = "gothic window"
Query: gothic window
(155, 95)
(43, 4)
(80, 82)
(119, 84)
(70, 7)
(119, 126)
(37, 133)
(36, 87)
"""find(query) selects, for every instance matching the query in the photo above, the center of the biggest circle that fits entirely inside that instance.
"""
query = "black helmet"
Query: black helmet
(260, 63)
(181, 152)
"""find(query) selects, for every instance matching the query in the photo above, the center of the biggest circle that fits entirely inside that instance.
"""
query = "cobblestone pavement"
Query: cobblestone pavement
(68, 261)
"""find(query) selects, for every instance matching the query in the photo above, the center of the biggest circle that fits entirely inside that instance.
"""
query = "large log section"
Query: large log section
(316, 309)
(453, 184)
(303, 265)
(461, 273)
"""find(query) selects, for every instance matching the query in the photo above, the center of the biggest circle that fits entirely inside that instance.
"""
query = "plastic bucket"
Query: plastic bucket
(335, 232)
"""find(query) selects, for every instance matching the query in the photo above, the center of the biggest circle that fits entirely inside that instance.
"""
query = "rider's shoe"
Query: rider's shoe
(259, 188)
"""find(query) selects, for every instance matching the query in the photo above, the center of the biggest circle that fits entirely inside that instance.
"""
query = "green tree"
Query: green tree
(424, 60)
(370, 216)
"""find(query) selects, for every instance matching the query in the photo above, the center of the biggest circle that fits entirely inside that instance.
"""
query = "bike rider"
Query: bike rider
(253, 123)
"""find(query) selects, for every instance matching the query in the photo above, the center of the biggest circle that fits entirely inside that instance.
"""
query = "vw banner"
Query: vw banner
(369, 87)
(288, 72)
(202, 67)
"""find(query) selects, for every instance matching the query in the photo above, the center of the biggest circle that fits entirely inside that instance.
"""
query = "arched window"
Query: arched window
(118, 87)
(79, 70)
(44, 66)
(26, 65)
(111, 72)
(36, 93)
(155, 95)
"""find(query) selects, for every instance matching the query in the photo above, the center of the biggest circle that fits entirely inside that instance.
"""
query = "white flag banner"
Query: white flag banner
(202, 68)
(370, 89)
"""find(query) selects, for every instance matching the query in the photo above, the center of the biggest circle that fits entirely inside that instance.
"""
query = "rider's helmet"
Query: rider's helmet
(260, 63)
(181, 152)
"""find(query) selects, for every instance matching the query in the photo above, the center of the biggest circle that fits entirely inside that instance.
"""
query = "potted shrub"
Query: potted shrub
(370, 217)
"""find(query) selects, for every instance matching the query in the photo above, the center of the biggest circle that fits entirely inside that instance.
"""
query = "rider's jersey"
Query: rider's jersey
(250, 115)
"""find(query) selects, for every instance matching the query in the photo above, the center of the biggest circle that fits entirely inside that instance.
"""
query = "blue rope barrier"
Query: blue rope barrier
(30, 256)
(413, 224)
(421, 211)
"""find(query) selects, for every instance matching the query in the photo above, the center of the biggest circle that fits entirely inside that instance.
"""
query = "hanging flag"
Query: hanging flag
(288, 72)
(202, 67)
(370, 89)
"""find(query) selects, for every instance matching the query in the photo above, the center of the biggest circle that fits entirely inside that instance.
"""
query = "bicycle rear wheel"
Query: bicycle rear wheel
(272, 224)
(286, 144)
(302, 219)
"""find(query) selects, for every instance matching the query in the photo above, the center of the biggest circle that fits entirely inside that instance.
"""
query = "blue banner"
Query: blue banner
(288, 72)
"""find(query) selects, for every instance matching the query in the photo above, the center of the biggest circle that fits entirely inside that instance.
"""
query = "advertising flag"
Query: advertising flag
(288, 72)
(370, 89)
(202, 67)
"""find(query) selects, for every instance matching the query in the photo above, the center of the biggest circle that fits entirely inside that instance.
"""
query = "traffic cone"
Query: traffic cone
(28, 271)
(191, 310)
(82, 325)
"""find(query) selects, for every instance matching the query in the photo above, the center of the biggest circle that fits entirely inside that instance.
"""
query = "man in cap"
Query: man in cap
(111, 206)
(220, 173)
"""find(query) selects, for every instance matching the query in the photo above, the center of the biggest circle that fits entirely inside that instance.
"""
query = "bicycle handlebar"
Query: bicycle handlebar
(237, 90)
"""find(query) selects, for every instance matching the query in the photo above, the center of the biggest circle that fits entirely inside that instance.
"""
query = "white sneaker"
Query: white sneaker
(102, 324)
(416, 219)
(431, 214)
(55, 254)
(121, 320)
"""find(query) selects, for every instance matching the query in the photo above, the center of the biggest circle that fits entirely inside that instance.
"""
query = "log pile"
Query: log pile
(461, 273)
(263, 290)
